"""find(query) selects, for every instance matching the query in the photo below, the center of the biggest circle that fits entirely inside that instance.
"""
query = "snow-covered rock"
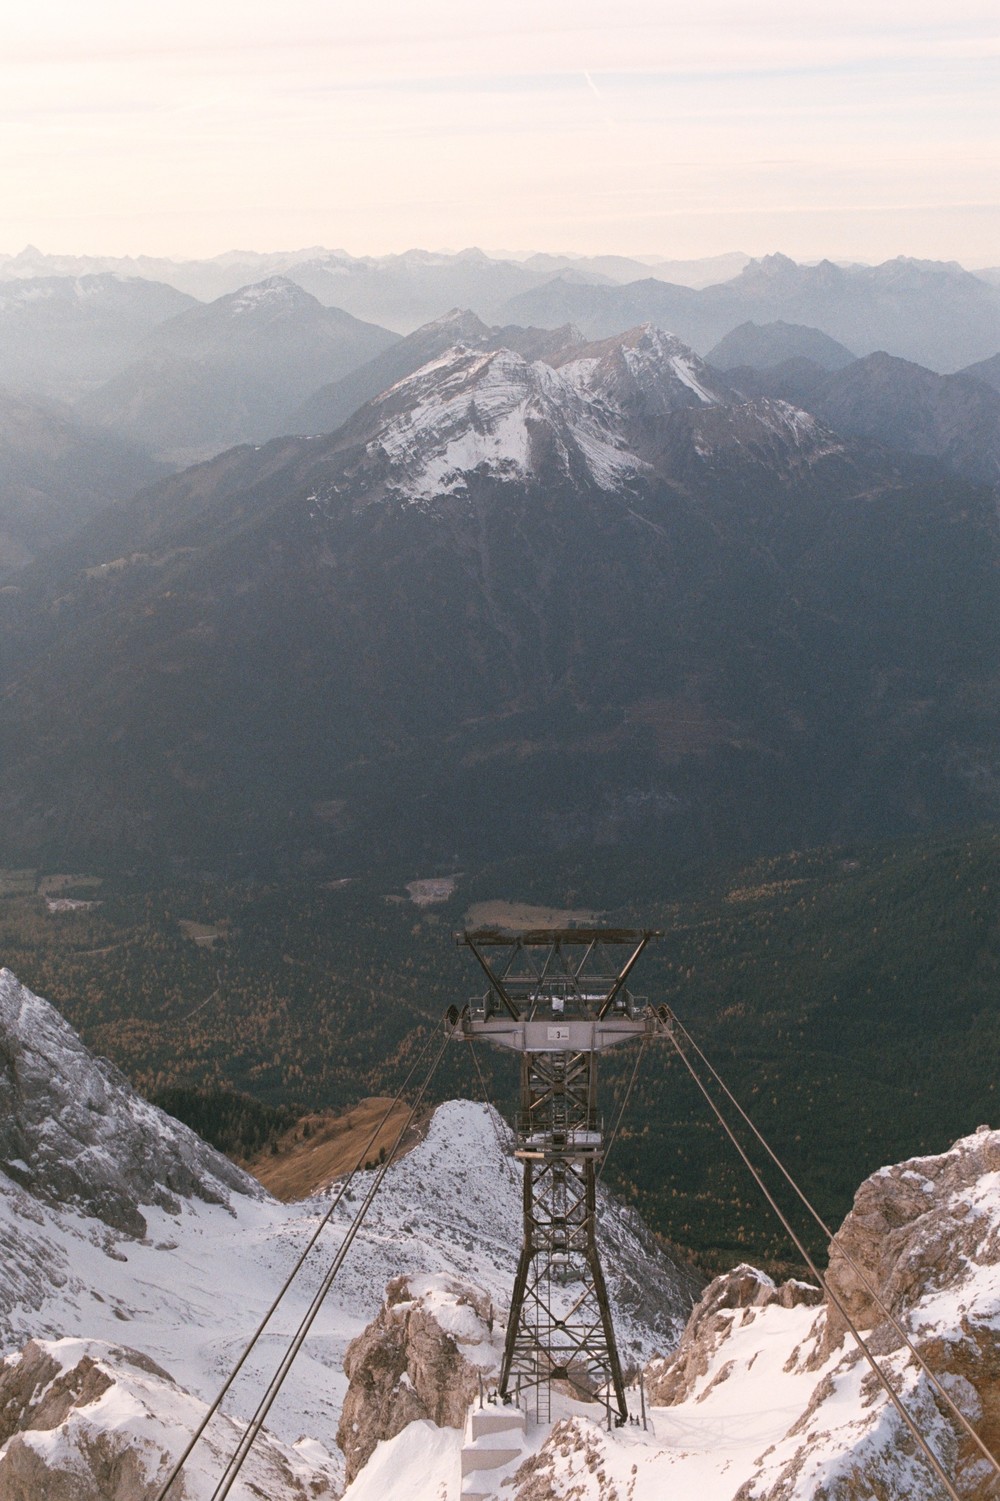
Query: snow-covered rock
(673, 1380)
(72, 1130)
(645, 374)
(925, 1235)
(767, 1399)
(83, 1420)
(497, 415)
(422, 1358)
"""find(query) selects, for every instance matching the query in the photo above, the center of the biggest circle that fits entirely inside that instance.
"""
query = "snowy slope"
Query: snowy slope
(769, 1399)
(766, 1398)
(207, 1250)
(646, 367)
(497, 414)
(105, 1420)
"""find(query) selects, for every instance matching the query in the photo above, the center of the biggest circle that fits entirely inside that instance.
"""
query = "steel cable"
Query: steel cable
(253, 1428)
(938, 1387)
(883, 1380)
(621, 1112)
(321, 1226)
(487, 1101)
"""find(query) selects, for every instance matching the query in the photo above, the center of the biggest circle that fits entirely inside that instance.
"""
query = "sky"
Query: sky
(850, 129)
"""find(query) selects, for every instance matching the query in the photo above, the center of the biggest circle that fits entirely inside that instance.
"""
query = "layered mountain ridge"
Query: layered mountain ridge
(230, 371)
(493, 546)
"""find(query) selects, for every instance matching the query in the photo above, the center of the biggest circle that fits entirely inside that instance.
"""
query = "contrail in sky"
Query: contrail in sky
(592, 86)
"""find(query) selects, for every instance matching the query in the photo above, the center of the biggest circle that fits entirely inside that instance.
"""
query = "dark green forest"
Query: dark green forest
(849, 997)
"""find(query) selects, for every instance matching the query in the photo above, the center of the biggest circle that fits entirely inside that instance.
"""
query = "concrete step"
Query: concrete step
(487, 1457)
(492, 1420)
(494, 1438)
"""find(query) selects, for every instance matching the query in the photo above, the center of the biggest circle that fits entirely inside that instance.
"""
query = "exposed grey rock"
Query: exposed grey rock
(73, 1131)
(915, 1228)
(925, 1235)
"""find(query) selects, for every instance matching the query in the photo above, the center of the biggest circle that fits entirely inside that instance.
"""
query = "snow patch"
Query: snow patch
(470, 412)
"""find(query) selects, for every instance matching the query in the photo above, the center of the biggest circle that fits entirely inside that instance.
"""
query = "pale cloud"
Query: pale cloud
(189, 127)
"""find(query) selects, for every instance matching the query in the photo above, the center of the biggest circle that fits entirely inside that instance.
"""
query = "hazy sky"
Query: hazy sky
(863, 128)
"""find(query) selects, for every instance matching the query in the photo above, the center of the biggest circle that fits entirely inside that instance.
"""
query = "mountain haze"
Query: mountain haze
(927, 311)
(765, 345)
(56, 472)
(61, 335)
(229, 371)
(953, 418)
(509, 602)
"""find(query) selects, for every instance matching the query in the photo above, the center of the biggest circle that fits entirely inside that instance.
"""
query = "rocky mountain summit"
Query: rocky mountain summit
(763, 1397)
(330, 406)
(767, 1397)
(423, 1358)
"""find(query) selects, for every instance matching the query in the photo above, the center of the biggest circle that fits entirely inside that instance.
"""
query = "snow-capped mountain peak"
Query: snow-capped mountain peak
(492, 414)
(275, 294)
(645, 374)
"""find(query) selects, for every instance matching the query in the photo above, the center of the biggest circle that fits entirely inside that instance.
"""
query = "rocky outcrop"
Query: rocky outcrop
(81, 1420)
(916, 1229)
(421, 1358)
(925, 1236)
(73, 1131)
(712, 1321)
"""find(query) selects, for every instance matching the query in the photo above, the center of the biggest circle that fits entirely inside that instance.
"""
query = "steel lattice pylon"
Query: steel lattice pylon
(559, 997)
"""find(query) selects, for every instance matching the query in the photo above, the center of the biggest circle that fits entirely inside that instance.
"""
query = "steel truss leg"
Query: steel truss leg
(560, 1324)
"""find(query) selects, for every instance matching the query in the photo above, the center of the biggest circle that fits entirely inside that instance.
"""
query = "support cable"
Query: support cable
(321, 1226)
(883, 1380)
(855, 1268)
(256, 1423)
(621, 1112)
(487, 1101)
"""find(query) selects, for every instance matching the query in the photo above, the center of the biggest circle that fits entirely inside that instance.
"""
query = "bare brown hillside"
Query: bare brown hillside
(322, 1147)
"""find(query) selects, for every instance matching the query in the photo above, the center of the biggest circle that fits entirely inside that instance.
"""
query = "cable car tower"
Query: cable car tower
(558, 997)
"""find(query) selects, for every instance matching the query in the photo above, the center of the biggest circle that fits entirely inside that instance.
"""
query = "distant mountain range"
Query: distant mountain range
(954, 418)
(932, 312)
(928, 311)
(59, 335)
(417, 286)
(505, 604)
(230, 371)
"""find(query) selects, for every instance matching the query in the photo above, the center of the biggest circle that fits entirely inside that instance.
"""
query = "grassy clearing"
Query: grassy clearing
(322, 1147)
